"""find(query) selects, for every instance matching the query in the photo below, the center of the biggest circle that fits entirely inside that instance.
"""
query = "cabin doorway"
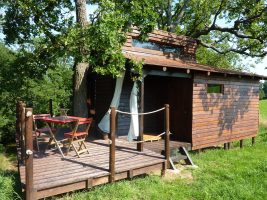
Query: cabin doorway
(175, 91)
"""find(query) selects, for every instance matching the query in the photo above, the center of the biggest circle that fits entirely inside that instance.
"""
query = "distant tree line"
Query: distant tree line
(20, 80)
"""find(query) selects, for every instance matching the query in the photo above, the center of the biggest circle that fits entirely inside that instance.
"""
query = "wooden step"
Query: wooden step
(178, 158)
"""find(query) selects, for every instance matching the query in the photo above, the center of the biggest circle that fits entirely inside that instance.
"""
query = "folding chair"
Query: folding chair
(76, 138)
(38, 131)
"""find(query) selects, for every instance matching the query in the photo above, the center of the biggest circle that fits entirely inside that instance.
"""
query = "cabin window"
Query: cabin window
(215, 88)
(156, 46)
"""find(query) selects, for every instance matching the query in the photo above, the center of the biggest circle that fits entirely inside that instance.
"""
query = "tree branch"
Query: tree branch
(180, 15)
(217, 13)
(233, 30)
(242, 51)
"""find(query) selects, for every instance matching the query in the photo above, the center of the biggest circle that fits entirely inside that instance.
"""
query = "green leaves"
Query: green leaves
(45, 29)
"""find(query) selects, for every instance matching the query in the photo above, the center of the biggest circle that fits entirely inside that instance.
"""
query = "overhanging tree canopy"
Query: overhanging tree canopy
(47, 29)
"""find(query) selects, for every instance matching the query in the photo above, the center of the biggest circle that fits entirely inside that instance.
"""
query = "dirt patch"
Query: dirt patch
(182, 172)
(263, 123)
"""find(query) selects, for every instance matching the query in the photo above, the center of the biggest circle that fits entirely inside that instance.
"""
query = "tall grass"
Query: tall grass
(9, 187)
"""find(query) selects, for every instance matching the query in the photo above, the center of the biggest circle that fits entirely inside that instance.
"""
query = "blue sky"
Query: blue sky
(260, 67)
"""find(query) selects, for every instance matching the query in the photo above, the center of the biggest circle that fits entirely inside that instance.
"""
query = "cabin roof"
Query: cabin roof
(185, 61)
(169, 61)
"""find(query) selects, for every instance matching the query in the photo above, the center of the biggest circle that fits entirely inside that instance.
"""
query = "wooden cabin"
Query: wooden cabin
(208, 106)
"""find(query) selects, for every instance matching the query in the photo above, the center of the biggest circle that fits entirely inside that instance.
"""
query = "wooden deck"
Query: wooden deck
(53, 175)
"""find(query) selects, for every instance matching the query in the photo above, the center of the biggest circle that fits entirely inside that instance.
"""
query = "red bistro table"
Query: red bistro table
(58, 120)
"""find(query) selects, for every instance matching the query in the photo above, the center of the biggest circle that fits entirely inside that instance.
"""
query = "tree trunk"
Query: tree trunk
(169, 15)
(80, 69)
(80, 90)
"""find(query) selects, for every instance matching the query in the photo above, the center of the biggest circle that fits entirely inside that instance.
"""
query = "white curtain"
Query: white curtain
(104, 123)
(134, 126)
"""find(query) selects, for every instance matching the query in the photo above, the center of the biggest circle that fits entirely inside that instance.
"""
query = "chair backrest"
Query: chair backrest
(40, 116)
(83, 121)
(37, 117)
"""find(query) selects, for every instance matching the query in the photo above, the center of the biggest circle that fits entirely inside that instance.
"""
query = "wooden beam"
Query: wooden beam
(112, 136)
(169, 73)
(30, 192)
(140, 146)
(167, 135)
(164, 168)
(130, 174)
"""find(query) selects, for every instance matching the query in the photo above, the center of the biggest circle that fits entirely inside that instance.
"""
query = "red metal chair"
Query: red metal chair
(76, 138)
(39, 131)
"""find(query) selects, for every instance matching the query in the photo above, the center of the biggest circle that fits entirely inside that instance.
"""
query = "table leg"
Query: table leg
(52, 137)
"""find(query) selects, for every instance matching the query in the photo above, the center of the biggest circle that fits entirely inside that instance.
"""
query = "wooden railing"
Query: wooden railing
(24, 140)
(112, 136)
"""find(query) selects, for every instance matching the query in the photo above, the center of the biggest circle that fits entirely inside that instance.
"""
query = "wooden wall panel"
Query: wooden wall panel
(226, 117)
(189, 45)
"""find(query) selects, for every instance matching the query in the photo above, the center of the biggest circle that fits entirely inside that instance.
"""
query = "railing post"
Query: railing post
(51, 107)
(18, 127)
(29, 154)
(112, 146)
(167, 135)
(22, 132)
(140, 146)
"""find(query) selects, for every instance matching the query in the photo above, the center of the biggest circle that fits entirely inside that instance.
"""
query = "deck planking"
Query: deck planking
(54, 175)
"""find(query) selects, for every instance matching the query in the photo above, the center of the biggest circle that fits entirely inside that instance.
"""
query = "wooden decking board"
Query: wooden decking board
(84, 161)
(52, 173)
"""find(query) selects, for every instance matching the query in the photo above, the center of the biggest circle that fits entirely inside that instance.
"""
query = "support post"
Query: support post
(140, 146)
(112, 146)
(29, 154)
(253, 140)
(229, 145)
(241, 144)
(22, 132)
(18, 128)
(167, 135)
(51, 107)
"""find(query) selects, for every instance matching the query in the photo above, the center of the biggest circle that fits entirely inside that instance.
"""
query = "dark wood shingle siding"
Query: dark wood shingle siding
(220, 118)
(105, 87)
(123, 121)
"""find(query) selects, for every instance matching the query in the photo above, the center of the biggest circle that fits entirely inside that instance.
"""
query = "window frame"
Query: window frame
(158, 46)
(215, 92)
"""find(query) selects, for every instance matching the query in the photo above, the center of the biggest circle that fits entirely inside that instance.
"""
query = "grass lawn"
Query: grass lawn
(234, 174)
(9, 179)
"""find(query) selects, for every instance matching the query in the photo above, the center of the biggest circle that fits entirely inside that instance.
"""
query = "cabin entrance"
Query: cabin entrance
(175, 91)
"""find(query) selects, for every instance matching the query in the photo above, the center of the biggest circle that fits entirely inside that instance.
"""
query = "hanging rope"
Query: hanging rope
(146, 113)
